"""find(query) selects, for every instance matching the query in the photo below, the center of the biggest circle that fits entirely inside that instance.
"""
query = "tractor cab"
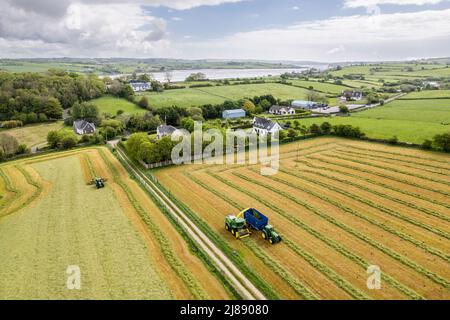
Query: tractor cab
(99, 183)
(237, 226)
(269, 233)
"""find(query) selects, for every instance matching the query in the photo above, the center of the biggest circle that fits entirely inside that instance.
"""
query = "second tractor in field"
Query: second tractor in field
(241, 224)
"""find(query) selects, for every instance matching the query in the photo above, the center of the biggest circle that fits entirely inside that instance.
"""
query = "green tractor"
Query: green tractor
(98, 182)
(237, 226)
(251, 218)
(268, 233)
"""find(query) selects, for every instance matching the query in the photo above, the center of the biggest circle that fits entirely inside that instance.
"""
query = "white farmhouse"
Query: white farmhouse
(262, 126)
(281, 110)
(139, 86)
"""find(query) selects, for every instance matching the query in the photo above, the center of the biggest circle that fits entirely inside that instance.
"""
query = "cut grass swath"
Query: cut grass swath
(343, 284)
(164, 243)
(333, 244)
(384, 185)
(408, 173)
(223, 245)
(382, 175)
(388, 160)
(369, 203)
(432, 276)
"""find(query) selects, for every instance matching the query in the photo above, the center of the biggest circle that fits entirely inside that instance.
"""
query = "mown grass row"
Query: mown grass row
(396, 256)
(193, 247)
(343, 284)
(402, 155)
(378, 183)
(382, 175)
(30, 181)
(237, 259)
(382, 195)
(331, 243)
(408, 173)
(90, 166)
(180, 269)
(369, 203)
(397, 160)
(10, 188)
(387, 160)
(300, 288)
(374, 222)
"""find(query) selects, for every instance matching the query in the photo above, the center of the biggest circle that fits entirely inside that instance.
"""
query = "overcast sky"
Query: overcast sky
(318, 30)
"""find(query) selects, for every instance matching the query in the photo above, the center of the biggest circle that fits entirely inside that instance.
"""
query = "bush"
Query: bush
(22, 149)
(68, 141)
(85, 139)
(393, 140)
(8, 144)
(143, 102)
(427, 144)
(442, 142)
(12, 124)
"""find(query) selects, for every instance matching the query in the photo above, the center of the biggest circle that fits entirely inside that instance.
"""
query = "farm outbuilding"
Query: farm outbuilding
(233, 114)
(301, 104)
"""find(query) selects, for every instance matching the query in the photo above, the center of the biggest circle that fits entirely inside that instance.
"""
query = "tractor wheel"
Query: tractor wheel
(263, 235)
(227, 228)
(233, 232)
(237, 235)
(270, 241)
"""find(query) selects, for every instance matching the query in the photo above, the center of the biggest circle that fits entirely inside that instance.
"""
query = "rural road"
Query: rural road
(243, 286)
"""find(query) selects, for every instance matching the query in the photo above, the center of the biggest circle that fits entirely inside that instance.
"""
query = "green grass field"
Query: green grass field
(395, 71)
(411, 121)
(215, 95)
(320, 86)
(110, 105)
(429, 94)
(74, 224)
(34, 135)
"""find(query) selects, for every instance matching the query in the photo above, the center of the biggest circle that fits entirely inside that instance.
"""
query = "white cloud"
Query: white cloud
(295, 8)
(376, 37)
(86, 30)
(371, 3)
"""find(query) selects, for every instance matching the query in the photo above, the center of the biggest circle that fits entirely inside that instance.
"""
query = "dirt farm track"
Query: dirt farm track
(123, 244)
(341, 206)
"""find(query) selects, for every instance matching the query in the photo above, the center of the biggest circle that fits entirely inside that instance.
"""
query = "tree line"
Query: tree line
(39, 97)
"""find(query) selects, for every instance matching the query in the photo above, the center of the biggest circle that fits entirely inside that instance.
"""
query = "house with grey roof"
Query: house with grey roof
(83, 127)
(281, 110)
(233, 114)
(164, 130)
(139, 86)
(352, 95)
(263, 126)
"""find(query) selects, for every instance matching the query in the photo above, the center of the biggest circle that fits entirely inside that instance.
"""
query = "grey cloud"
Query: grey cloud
(49, 8)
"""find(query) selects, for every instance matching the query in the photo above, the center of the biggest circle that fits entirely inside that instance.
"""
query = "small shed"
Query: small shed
(234, 114)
